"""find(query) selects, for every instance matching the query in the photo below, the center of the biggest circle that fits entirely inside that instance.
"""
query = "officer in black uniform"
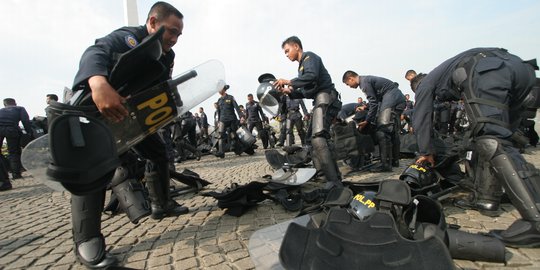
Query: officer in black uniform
(295, 119)
(95, 66)
(386, 103)
(228, 122)
(315, 83)
(493, 84)
(10, 116)
(203, 123)
(255, 118)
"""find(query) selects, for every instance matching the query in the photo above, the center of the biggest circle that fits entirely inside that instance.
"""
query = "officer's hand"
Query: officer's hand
(426, 159)
(107, 100)
(362, 125)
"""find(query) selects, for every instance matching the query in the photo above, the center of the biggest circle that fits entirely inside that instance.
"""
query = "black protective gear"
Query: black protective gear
(487, 191)
(324, 111)
(521, 234)
(323, 156)
(338, 244)
(86, 219)
(83, 149)
(157, 177)
(388, 137)
(520, 179)
(130, 195)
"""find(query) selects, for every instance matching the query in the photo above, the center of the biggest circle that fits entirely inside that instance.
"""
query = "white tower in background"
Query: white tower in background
(131, 17)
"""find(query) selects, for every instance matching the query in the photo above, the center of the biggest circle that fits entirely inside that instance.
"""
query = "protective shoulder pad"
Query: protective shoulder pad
(397, 192)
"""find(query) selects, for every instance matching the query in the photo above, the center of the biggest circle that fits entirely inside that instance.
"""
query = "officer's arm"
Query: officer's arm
(247, 112)
(373, 103)
(107, 100)
(261, 112)
(25, 119)
(237, 108)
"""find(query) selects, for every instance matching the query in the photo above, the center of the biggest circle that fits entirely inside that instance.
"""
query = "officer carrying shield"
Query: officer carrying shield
(386, 103)
(315, 83)
(494, 85)
(228, 122)
(95, 67)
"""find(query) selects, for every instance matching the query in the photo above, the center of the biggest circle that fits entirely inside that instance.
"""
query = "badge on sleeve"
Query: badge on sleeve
(131, 41)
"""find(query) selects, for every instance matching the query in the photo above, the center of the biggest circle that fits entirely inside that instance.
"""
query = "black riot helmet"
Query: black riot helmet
(267, 94)
(418, 177)
(363, 205)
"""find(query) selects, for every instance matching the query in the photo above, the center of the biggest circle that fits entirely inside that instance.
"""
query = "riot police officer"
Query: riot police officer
(95, 66)
(10, 116)
(228, 122)
(203, 123)
(255, 117)
(493, 84)
(295, 119)
(386, 103)
(314, 82)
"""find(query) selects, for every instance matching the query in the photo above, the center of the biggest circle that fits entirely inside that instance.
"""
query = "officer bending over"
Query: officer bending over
(386, 103)
(95, 67)
(493, 84)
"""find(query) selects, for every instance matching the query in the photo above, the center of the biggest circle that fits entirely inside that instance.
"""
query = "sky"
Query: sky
(42, 41)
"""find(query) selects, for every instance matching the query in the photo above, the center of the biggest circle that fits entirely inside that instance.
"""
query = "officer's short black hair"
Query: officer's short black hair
(201, 108)
(348, 74)
(410, 72)
(163, 10)
(52, 97)
(292, 40)
(9, 101)
(250, 95)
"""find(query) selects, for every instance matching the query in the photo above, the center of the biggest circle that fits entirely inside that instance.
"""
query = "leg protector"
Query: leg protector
(386, 131)
(319, 122)
(86, 221)
(290, 136)
(521, 182)
(158, 180)
(130, 194)
(327, 164)
(385, 151)
(221, 140)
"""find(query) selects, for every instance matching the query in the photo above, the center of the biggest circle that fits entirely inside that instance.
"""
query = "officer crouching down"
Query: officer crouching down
(147, 59)
(494, 85)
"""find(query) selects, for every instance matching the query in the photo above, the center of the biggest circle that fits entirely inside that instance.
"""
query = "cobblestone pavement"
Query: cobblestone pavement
(35, 228)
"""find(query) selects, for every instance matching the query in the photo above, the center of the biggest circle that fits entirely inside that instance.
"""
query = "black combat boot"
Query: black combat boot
(487, 192)
(385, 149)
(162, 204)
(5, 185)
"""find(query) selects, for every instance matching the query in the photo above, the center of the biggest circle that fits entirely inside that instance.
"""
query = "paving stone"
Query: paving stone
(37, 226)
(136, 265)
(159, 261)
(49, 259)
(212, 259)
(186, 264)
